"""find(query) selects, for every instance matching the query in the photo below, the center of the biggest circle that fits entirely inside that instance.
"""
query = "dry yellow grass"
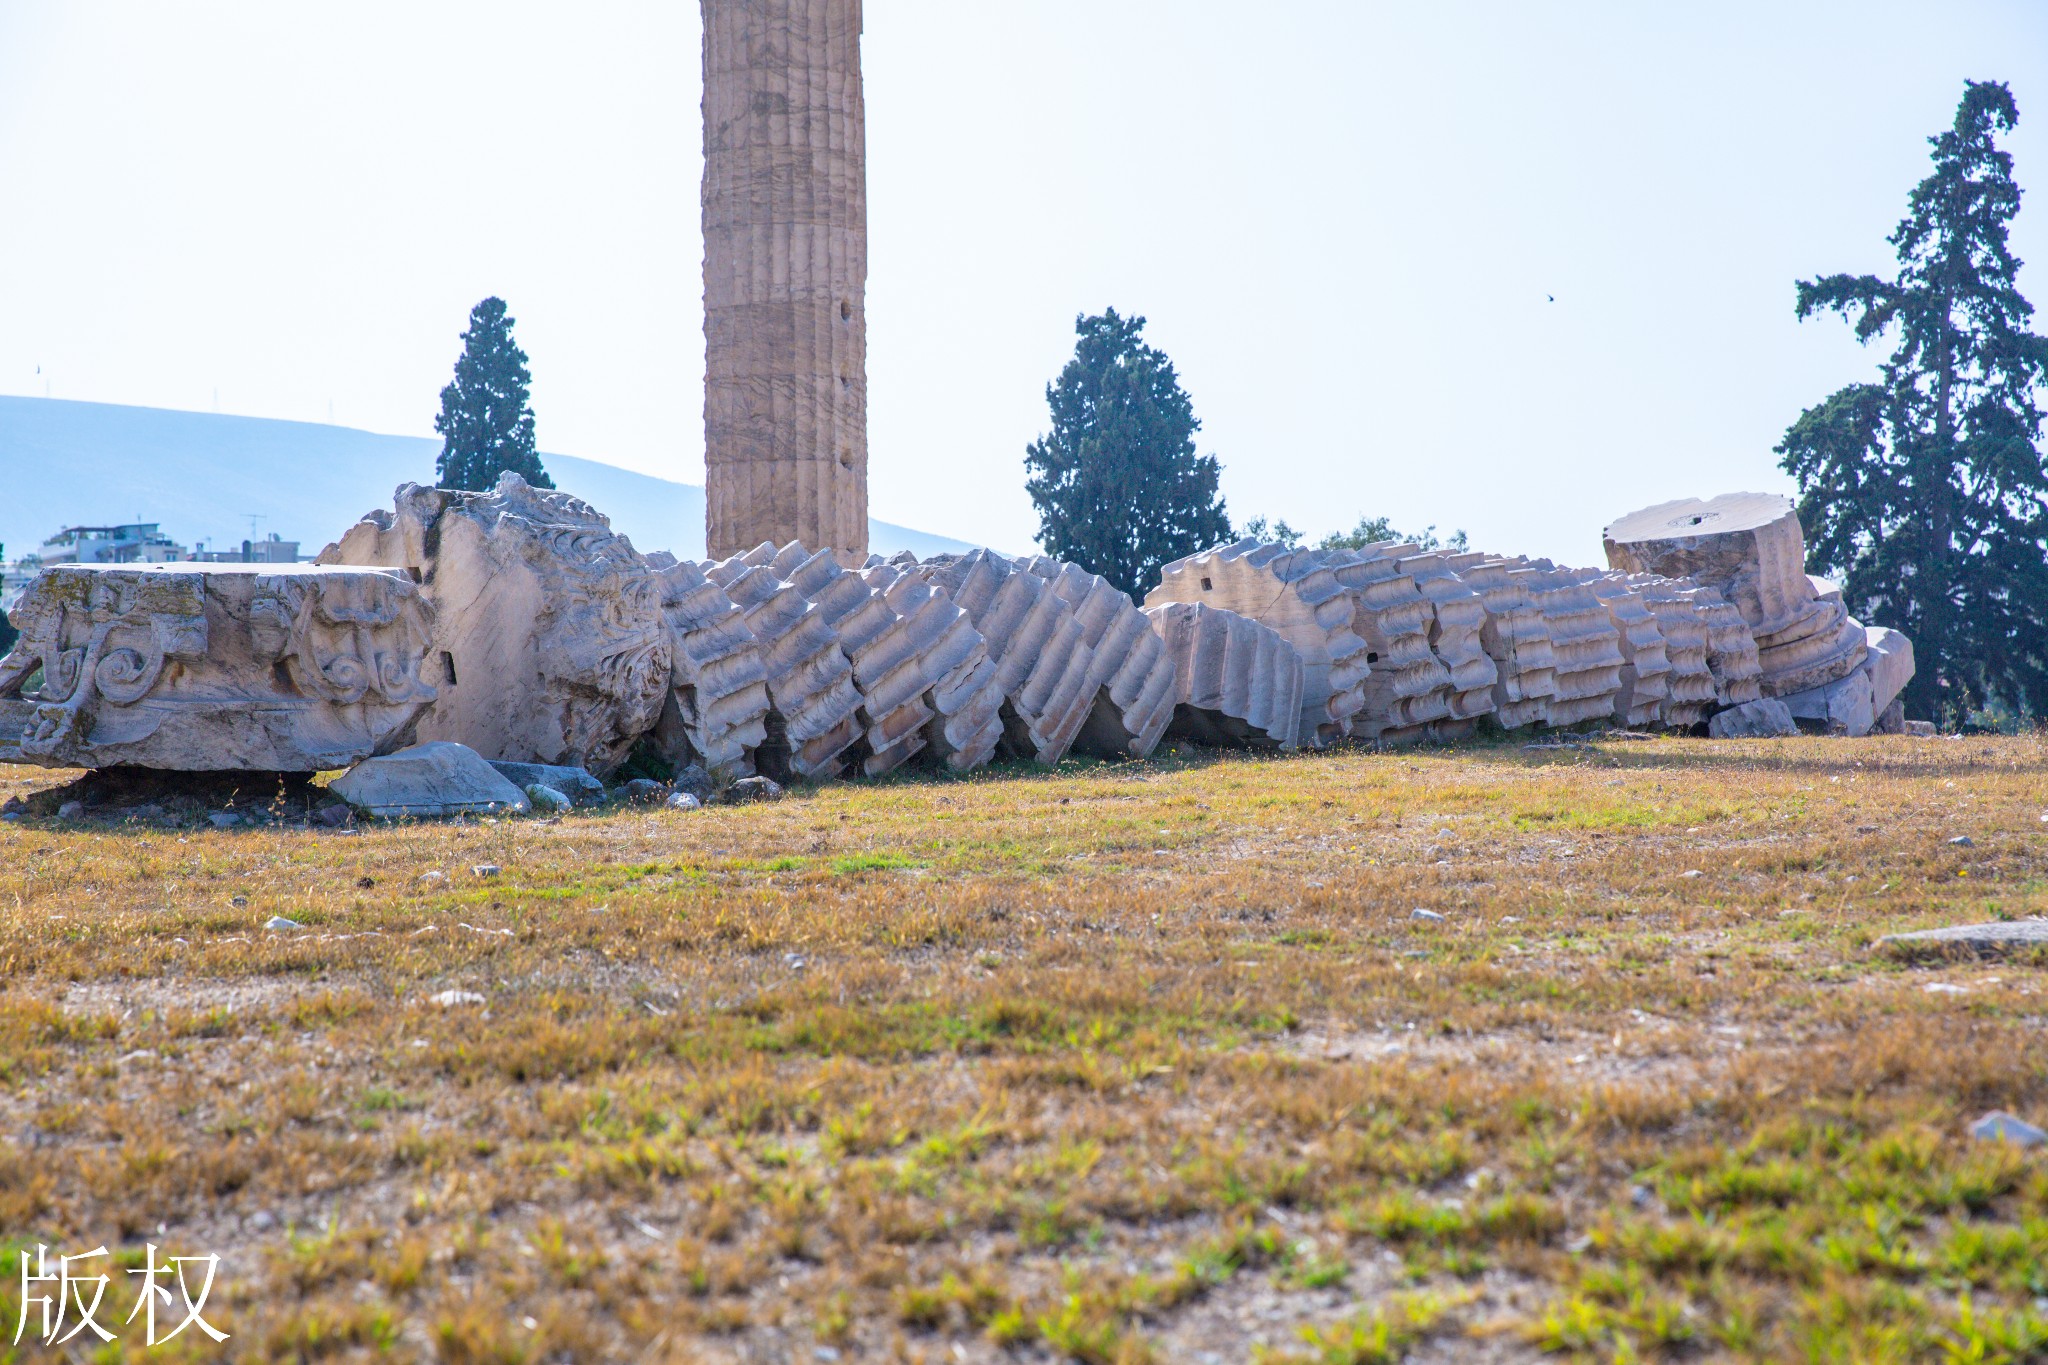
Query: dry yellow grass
(1120, 1063)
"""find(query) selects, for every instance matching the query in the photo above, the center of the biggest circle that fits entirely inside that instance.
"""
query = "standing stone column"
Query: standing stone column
(785, 276)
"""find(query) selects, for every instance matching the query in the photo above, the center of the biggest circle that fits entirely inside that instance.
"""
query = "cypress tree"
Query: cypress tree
(486, 421)
(1117, 483)
(1926, 492)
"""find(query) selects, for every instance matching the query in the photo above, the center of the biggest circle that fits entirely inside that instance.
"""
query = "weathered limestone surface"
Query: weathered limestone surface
(1409, 687)
(1690, 691)
(888, 667)
(1296, 594)
(1889, 664)
(785, 276)
(716, 711)
(225, 667)
(814, 703)
(1043, 664)
(1750, 548)
(1731, 650)
(965, 693)
(1821, 646)
(1237, 683)
(1764, 718)
(1645, 670)
(1585, 644)
(579, 786)
(1747, 546)
(550, 640)
(1457, 629)
(1842, 707)
(1515, 637)
(1129, 669)
(428, 781)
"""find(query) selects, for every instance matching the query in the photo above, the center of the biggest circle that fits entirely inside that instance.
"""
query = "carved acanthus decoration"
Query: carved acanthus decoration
(213, 668)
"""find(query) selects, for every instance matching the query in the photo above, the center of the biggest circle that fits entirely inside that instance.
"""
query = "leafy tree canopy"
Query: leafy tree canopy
(486, 421)
(1117, 483)
(1368, 531)
(1925, 492)
(8, 634)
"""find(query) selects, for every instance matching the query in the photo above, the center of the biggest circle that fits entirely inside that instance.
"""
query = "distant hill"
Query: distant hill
(202, 475)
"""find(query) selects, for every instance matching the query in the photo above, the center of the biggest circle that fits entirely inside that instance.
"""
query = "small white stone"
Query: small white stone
(449, 1000)
(1424, 914)
(684, 801)
(1999, 1126)
(280, 923)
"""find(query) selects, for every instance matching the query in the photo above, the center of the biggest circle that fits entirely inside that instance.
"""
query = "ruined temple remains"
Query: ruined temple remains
(214, 668)
(785, 277)
(550, 643)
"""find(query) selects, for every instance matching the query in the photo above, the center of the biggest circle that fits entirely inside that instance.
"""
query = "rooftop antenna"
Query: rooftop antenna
(254, 517)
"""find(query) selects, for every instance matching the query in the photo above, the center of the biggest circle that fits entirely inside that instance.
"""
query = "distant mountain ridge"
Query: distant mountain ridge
(202, 476)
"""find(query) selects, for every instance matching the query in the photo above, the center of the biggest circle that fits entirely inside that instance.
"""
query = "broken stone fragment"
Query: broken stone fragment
(1129, 672)
(579, 786)
(751, 789)
(1515, 636)
(716, 712)
(428, 781)
(1238, 684)
(1042, 660)
(889, 669)
(1297, 595)
(1585, 646)
(549, 632)
(814, 704)
(1889, 665)
(1749, 547)
(547, 800)
(1840, 708)
(965, 697)
(1765, 718)
(212, 668)
(1646, 669)
(1999, 1126)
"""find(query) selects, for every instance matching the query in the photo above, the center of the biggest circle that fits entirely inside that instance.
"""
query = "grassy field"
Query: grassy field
(1127, 1063)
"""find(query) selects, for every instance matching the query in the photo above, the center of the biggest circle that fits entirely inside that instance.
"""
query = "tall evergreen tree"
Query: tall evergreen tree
(486, 421)
(8, 634)
(1926, 491)
(1117, 483)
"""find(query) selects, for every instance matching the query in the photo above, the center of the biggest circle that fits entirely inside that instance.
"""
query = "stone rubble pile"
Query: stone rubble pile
(515, 625)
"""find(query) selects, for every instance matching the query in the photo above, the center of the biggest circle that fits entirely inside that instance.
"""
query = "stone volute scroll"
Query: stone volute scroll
(214, 668)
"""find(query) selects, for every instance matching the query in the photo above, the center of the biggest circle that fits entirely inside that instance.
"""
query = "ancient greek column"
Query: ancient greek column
(785, 276)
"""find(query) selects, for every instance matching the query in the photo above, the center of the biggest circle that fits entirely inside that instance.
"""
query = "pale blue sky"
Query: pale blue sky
(1343, 220)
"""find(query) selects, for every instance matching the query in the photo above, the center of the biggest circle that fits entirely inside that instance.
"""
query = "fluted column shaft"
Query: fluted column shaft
(785, 275)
